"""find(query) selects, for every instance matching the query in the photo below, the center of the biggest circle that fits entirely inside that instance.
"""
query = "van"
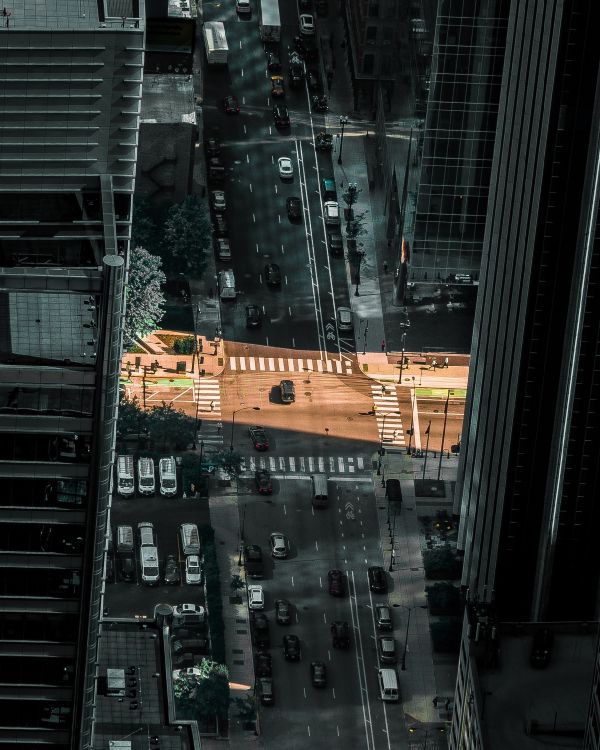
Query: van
(328, 190)
(146, 483)
(146, 534)
(149, 565)
(227, 284)
(167, 475)
(190, 539)
(387, 679)
(393, 491)
(319, 490)
(124, 539)
(125, 476)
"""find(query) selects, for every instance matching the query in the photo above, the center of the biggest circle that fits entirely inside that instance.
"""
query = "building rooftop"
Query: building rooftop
(168, 99)
(72, 14)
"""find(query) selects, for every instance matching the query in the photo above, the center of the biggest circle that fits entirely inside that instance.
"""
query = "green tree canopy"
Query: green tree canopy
(170, 427)
(145, 231)
(205, 693)
(356, 226)
(145, 300)
(132, 418)
(187, 237)
(350, 196)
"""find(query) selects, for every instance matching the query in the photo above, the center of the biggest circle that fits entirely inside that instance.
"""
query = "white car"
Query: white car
(344, 319)
(256, 597)
(331, 211)
(194, 610)
(193, 571)
(189, 672)
(279, 545)
(286, 168)
(217, 199)
(243, 7)
(307, 25)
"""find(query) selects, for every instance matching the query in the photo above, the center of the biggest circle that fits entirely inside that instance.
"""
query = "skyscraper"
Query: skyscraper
(71, 83)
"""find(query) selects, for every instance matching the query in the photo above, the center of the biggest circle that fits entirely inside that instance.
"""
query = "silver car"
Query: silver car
(344, 319)
(279, 545)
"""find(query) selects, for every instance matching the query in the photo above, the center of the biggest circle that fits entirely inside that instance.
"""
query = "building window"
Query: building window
(388, 34)
(371, 35)
(368, 64)
(373, 9)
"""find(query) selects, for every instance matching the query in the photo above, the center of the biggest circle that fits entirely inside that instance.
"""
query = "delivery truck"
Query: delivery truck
(215, 43)
(269, 23)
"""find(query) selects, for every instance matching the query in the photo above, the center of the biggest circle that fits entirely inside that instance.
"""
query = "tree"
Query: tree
(145, 300)
(132, 418)
(187, 237)
(171, 427)
(441, 563)
(144, 230)
(356, 226)
(236, 583)
(206, 691)
(443, 599)
(350, 196)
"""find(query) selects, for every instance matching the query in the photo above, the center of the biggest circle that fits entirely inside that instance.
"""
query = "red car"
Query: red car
(335, 579)
(231, 105)
(263, 482)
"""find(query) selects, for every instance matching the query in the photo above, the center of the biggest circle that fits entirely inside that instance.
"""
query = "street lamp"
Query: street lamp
(196, 353)
(387, 414)
(410, 609)
(402, 358)
(343, 123)
(360, 255)
(237, 411)
(366, 330)
(444, 432)
(427, 431)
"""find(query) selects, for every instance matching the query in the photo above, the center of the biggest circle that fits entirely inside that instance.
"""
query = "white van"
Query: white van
(387, 679)
(190, 539)
(227, 284)
(149, 565)
(319, 490)
(125, 476)
(167, 474)
(146, 482)
(146, 534)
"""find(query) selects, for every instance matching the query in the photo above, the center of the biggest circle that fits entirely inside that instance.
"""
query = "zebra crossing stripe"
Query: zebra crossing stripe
(292, 461)
(300, 365)
(297, 465)
(331, 464)
(271, 364)
(329, 366)
(282, 463)
(261, 363)
(232, 363)
(291, 365)
(321, 461)
(360, 462)
(302, 465)
(252, 363)
(320, 365)
(242, 363)
(280, 363)
(272, 464)
(311, 464)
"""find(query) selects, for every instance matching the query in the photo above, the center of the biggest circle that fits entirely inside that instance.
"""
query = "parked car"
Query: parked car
(172, 573)
(386, 649)
(193, 570)
(263, 664)
(220, 225)
(541, 648)
(213, 147)
(287, 391)
(256, 597)
(217, 200)
(383, 617)
(253, 561)
(260, 629)
(273, 274)
(265, 690)
(126, 565)
(291, 648)
(283, 612)
(231, 106)
(264, 485)
(378, 580)
(293, 207)
(335, 580)
(253, 316)
(279, 545)
(336, 244)
(318, 674)
(259, 438)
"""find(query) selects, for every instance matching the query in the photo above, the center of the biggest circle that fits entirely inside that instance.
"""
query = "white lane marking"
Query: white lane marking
(316, 545)
(245, 132)
(250, 186)
(254, 218)
(387, 729)
(325, 618)
(360, 668)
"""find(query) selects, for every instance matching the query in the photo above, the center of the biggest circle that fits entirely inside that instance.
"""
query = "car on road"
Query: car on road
(231, 106)
(386, 649)
(293, 207)
(263, 664)
(213, 147)
(273, 62)
(253, 316)
(305, 45)
(313, 80)
(335, 242)
(277, 87)
(260, 629)
(253, 561)
(307, 24)
(383, 617)
(286, 168)
(344, 319)
(318, 674)
(256, 597)
(172, 575)
(283, 612)
(220, 225)
(378, 580)
(287, 391)
(217, 200)
(541, 648)
(264, 485)
(259, 438)
(296, 75)
(340, 634)
(265, 690)
(243, 7)
(281, 116)
(335, 580)
(193, 570)
(272, 274)
(305, 5)
(279, 545)
(291, 648)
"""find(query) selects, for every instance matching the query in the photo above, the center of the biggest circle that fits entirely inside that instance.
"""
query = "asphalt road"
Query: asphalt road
(302, 313)
(348, 712)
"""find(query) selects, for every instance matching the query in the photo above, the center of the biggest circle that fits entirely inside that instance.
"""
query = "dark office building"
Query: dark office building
(69, 117)
(458, 140)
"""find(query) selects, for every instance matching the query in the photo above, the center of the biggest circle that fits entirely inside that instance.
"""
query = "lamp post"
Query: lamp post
(387, 414)
(365, 336)
(412, 416)
(195, 353)
(402, 358)
(443, 433)
(237, 411)
(410, 609)
(360, 255)
(343, 123)
(426, 448)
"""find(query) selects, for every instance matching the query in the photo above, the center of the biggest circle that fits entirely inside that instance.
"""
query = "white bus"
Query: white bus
(269, 22)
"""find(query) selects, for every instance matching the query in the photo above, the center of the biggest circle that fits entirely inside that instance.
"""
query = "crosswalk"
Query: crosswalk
(387, 414)
(304, 464)
(341, 366)
(208, 396)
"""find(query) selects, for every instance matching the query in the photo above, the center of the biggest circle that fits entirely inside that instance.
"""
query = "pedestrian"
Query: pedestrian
(435, 702)
(210, 293)
(434, 363)
(446, 362)
(385, 266)
(382, 345)
(212, 405)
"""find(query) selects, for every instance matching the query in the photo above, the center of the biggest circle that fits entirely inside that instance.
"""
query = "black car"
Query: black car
(291, 648)
(253, 561)
(296, 76)
(378, 580)
(273, 62)
(281, 116)
(294, 209)
(273, 274)
(306, 47)
(213, 147)
(126, 566)
(313, 80)
(340, 634)
(253, 316)
(265, 690)
(305, 5)
(172, 573)
(336, 244)
(260, 626)
(220, 226)
(287, 391)
(264, 484)
(283, 611)
(335, 579)
(318, 673)
(259, 438)
(541, 648)
(263, 664)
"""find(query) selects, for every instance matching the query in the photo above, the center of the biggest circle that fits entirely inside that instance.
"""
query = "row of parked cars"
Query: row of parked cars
(146, 477)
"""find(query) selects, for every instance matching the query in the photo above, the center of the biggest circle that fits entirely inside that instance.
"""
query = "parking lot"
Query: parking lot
(130, 599)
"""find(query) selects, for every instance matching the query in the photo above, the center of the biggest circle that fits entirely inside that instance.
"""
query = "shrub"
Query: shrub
(442, 563)
(445, 635)
(184, 346)
(214, 602)
(443, 599)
